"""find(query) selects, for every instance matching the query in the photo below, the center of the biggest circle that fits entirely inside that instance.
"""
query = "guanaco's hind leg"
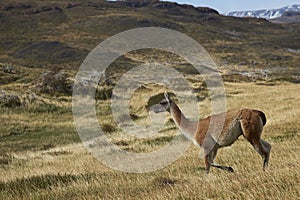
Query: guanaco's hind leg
(252, 133)
(263, 148)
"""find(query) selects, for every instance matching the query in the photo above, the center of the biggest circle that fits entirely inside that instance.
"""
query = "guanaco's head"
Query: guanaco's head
(165, 104)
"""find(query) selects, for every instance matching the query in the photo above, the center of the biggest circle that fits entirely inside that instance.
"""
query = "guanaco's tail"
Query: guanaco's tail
(262, 116)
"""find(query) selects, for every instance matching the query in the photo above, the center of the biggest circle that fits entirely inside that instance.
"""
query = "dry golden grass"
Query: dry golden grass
(69, 171)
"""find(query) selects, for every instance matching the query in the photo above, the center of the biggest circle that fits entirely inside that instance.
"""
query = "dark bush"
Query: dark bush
(108, 128)
(55, 81)
(104, 93)
(10, 99)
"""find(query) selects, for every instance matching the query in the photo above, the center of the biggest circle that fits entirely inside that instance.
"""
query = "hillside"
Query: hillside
(41, 33)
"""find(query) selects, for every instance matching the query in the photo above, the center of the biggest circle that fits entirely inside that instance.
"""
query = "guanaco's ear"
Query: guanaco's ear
(167, 96)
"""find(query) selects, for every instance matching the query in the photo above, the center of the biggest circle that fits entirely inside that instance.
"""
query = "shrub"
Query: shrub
(10, 99)
(8, 68)
(55, 81)
(108, 128)
(104, 93)
(5, 159)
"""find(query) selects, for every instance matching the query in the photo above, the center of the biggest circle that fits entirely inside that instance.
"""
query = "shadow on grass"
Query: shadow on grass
(285, 136)
(200, 169)
(159, 140)
(162, 182)
(24, 185)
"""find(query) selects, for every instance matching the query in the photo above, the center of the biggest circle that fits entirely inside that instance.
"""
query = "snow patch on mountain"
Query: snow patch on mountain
(267, 14)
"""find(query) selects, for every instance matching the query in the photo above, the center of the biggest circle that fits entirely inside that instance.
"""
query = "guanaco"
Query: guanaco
(246, 122)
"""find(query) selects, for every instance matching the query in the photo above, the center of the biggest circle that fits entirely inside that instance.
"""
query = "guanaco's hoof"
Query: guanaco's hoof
(230, 169)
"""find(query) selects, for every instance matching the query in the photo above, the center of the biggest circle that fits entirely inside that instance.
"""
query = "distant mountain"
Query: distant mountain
(288, 17)
(267, 14)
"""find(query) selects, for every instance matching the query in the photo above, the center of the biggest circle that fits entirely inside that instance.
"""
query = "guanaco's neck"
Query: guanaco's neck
(187, 127)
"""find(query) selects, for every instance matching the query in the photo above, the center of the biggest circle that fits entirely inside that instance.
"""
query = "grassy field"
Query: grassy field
(41, 154)
(42, 157)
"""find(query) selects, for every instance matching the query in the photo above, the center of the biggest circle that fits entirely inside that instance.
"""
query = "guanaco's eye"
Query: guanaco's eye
(163, 102)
